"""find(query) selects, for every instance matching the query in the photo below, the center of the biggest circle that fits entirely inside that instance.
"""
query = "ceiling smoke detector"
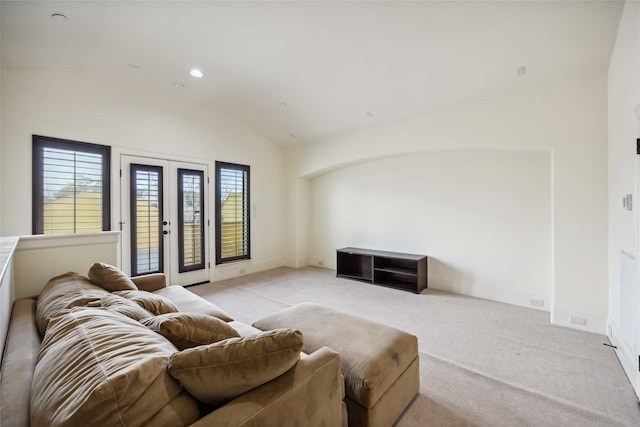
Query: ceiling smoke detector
(521, 71)
(58, 17)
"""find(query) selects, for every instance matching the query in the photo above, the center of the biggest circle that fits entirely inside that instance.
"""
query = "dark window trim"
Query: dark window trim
(134, 211)
(181, 267)
(218, 225)
(40, 142)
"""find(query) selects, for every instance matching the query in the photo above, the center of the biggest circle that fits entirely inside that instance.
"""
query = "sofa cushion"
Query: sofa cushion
(178, 412)
(157, 304)
(110, 278)
(98, 367)
(123, 306)
(218, 372)
(62, 292)
(243, 329)
(189, 302)
(187, 330)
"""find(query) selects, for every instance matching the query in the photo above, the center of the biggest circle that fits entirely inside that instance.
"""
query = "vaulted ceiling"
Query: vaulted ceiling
(302, 71)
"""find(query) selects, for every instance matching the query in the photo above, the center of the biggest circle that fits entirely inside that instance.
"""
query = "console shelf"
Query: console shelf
(401, 271)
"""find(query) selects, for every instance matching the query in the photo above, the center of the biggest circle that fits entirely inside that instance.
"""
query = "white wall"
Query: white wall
(568, 120)
(39, 258)
(484, 218)
(624, 128)
(7, 248)
(134, 119)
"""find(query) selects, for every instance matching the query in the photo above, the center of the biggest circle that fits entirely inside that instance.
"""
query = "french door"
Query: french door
(164, 219)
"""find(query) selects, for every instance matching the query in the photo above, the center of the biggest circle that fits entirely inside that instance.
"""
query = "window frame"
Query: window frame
(218, 214)
(39, 144)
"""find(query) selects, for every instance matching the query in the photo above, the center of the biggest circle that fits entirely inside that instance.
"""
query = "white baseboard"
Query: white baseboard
(561, 316)
(522, 299)
(580, 320)
(241, 268)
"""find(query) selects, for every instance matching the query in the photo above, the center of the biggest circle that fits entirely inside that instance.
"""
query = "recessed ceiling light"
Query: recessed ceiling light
(196, 73)
(58, 16)
(178, 85)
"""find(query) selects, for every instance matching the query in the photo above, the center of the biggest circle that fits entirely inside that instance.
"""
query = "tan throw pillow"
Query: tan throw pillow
(186, 330)
(97, 367)
(124, 306)
(110, 278)
(218, 372)
(157, 304)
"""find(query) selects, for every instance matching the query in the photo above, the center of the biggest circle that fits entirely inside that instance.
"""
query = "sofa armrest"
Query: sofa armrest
(308, 394)
(150, 282)
(20, 357)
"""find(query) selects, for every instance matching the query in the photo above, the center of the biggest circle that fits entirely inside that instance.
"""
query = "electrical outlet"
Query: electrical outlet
(578, 320)
(242, 271)
(536, 302)
(320, 263)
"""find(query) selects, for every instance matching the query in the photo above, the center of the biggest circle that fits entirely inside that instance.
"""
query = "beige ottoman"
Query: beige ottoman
(380, 363)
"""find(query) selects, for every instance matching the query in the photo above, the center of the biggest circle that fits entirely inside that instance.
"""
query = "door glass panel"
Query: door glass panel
(146, 219)
(190, 214)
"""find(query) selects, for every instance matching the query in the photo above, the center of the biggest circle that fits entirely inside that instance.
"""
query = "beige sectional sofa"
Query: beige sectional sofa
(116, 353)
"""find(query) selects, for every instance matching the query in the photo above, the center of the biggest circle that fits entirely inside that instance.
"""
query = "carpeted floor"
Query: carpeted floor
(482, 363)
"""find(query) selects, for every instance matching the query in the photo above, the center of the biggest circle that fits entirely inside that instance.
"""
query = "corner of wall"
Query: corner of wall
(582, 321)
(296, 262)
(327, 263)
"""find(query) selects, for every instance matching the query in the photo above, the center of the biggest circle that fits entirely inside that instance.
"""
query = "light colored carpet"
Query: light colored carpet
(482, 363)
